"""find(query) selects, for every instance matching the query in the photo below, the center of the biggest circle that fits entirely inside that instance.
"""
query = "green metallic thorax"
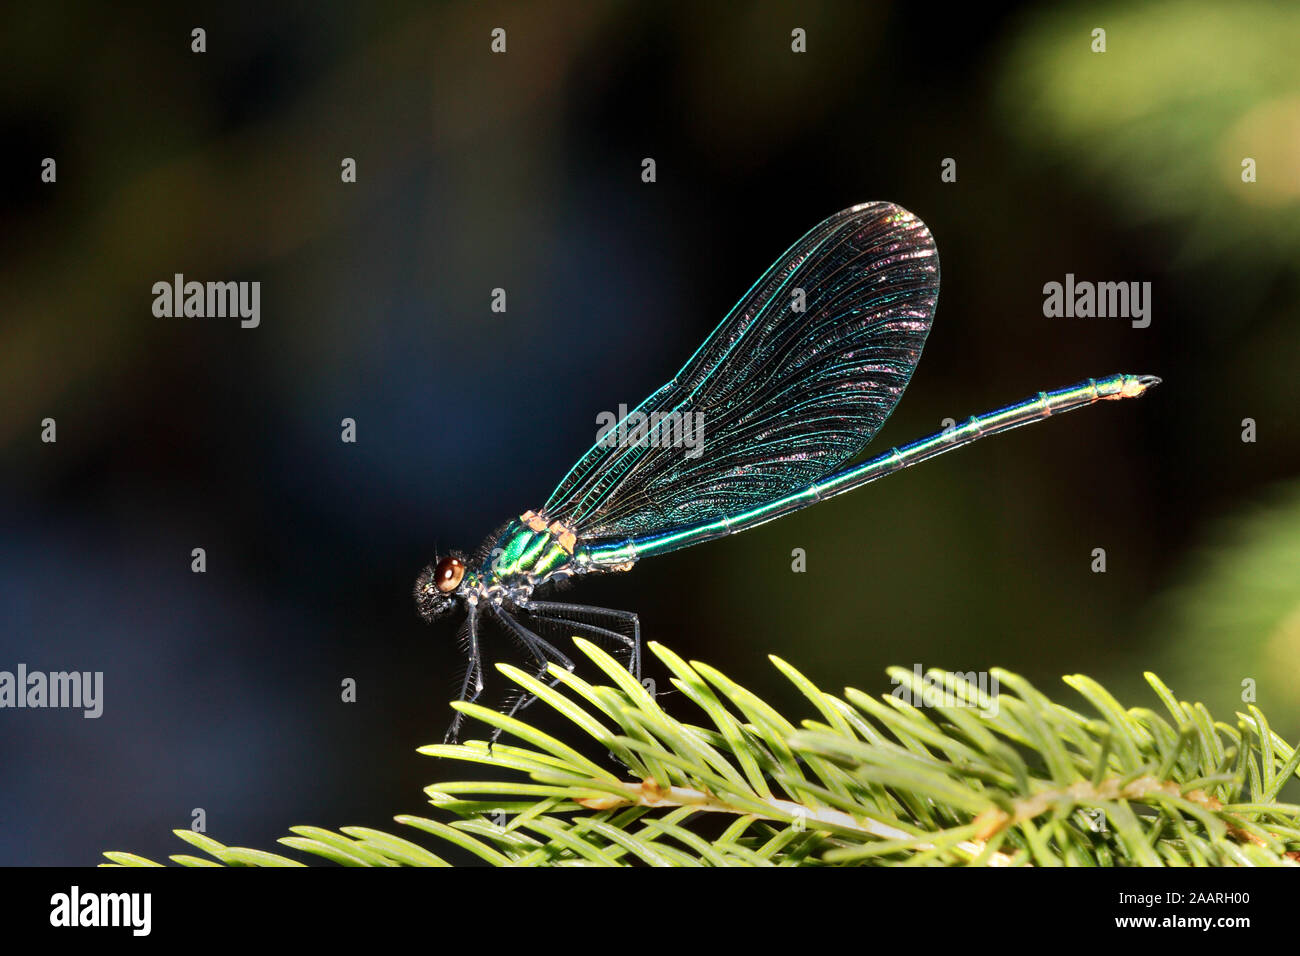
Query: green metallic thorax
(520, 552)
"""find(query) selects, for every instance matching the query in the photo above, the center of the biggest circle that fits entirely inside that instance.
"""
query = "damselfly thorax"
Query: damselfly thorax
(525, 555)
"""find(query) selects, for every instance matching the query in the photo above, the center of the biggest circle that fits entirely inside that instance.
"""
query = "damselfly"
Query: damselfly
(792, 384)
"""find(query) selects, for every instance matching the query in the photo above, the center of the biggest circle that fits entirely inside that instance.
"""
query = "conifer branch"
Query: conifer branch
(942, 774)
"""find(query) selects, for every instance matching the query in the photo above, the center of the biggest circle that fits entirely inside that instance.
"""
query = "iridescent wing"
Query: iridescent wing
(796, 379)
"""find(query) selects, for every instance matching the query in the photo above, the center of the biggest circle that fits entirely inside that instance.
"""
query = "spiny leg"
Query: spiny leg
(473, 673)
(598, 631)
(595, 630)
(539, 649)
(545, 609)
(533, 643)
(588, 628)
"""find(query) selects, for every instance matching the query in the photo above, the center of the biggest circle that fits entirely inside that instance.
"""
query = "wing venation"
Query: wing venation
(782, 396)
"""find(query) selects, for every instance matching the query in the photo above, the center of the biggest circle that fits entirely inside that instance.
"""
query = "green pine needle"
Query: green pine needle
(955, 778)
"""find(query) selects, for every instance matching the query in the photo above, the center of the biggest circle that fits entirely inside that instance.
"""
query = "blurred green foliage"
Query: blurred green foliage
(1164, 117)
(1160, 124)
(1231, 622)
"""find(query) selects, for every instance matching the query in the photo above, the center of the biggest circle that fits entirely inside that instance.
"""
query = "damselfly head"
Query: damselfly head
(436, 587)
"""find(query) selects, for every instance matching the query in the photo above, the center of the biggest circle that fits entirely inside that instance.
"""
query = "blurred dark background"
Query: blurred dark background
(522, 171)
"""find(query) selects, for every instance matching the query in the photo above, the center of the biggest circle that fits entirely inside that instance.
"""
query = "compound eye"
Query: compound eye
(448, 574)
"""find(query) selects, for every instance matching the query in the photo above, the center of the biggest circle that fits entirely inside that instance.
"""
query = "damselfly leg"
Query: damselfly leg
(473, 671)
(572, 615)
(540, 649)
